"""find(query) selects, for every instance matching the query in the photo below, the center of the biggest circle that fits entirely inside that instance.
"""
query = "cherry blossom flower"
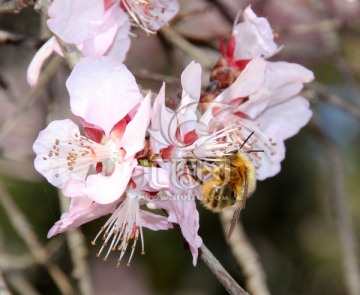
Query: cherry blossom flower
(105, 97)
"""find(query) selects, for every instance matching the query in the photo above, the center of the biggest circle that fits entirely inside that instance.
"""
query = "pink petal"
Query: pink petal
(101, 42)
(56, 171)
(102, 91)
(75, 21)
(285, 120)
(154, 222)
(33, 71)
(247, 83)
(282, 81)
(133, 139)
(121, 44)
(73, 188)
(254, 37)
(82, 210)
(107, 189)
(150, 179)
(270, 164)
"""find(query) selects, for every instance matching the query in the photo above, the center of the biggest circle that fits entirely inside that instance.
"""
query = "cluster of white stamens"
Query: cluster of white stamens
(122, 229)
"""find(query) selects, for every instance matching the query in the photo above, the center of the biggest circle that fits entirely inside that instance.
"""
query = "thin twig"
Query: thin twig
(25, 261)
(31, 97)
(306, 28)
(79, 253)
(245, 255)
(145, 74)
(176, 39)
(215, 266)
(3, 287)
(221, 274)
(341, 213)
(324, 93)
(24, 230)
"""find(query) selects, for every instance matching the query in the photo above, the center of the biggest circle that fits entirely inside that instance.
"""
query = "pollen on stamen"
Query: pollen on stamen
(121, 229)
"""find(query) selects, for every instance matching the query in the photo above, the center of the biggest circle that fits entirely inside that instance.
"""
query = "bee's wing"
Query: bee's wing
(238, 209)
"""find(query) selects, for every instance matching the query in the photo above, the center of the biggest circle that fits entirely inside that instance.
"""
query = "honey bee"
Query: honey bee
(226, 182)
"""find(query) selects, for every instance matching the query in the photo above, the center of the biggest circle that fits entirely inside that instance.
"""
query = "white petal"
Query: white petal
(107, 189)
(55, 168)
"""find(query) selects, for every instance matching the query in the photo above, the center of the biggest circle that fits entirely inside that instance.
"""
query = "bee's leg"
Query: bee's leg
(192, 173)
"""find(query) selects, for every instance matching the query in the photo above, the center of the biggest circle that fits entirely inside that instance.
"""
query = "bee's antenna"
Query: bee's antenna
(246, 140)
(254, 151)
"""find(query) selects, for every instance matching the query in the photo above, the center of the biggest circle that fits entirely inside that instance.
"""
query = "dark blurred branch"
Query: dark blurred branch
(342, 215)
(31, 97)
(25, 231)
(145, 74)
(14, 6)
(318, 27)
(221, 274)
(324, 93)
(332, 41)
(245, 255)
(194, 52)
(10, 262)
(3, 287)
(20, 284)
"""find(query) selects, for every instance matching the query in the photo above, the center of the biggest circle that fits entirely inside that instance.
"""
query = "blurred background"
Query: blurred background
(304, 222)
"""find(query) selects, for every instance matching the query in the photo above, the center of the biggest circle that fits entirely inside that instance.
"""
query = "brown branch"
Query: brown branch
(245, 255)
(221, 274)
(24, 230)
(31, 97)
(215, 266)
(178, 41)
(14, 6)
(324, 93)
(341, 213)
